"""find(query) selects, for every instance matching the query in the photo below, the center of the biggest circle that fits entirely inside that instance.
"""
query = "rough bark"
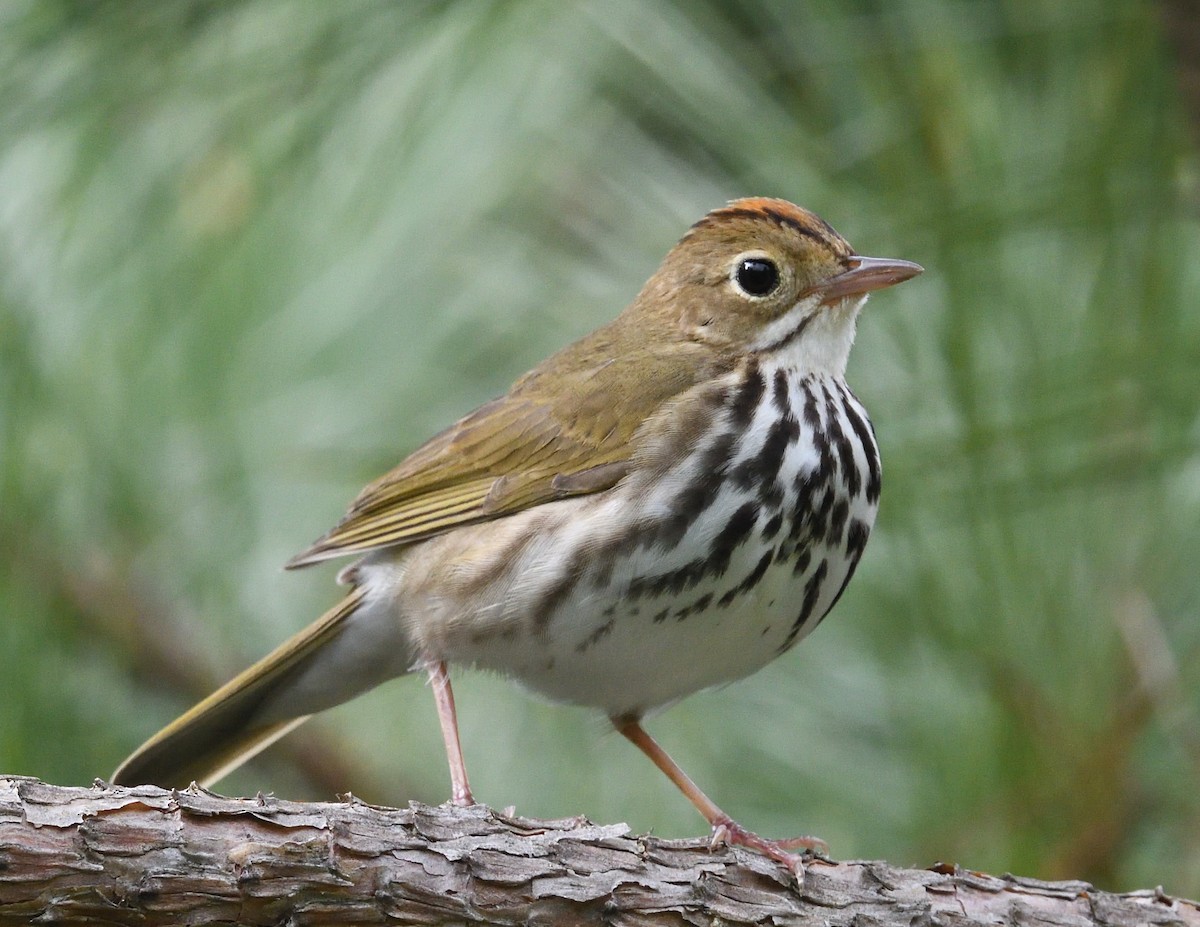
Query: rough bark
(145, 856)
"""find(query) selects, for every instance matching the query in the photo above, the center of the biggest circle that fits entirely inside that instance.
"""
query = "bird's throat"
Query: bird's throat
(815, 340)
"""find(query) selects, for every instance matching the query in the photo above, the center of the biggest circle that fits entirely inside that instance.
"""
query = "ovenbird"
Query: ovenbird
(668, 504)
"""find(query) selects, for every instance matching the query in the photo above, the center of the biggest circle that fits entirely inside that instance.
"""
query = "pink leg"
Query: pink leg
(443, 696)
(725, 829)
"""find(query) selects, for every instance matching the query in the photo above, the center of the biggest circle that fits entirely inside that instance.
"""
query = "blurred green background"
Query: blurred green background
(253, 252)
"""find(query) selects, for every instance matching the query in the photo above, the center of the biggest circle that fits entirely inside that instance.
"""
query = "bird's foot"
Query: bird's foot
(727, 832)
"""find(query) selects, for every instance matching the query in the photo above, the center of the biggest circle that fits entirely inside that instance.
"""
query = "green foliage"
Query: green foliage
(252, 252)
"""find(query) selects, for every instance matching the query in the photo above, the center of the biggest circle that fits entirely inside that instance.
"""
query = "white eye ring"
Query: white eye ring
(755, 275)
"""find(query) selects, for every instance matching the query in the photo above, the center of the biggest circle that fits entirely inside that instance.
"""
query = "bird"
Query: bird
(666, 505)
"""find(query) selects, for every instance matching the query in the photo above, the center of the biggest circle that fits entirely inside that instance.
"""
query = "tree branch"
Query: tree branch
(146, 856)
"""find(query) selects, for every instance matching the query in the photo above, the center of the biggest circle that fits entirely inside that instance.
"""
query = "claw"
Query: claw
(728, 832)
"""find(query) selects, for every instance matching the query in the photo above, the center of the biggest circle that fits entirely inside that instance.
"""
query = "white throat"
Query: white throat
(812, 338)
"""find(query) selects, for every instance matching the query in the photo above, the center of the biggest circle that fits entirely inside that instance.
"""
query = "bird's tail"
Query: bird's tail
(351, 648)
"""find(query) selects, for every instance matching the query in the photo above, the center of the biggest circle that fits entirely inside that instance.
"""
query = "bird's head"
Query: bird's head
(765, 276)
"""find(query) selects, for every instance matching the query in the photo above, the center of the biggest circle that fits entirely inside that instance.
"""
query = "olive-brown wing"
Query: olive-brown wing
(558, 433)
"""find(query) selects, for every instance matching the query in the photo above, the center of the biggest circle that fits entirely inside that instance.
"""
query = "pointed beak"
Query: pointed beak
(866, 274)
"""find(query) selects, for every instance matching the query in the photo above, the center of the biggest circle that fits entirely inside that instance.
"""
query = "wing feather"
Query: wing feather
(496, 461)
(566, 434)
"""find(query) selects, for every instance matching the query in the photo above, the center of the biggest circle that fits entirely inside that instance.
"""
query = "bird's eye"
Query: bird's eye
(756, 276)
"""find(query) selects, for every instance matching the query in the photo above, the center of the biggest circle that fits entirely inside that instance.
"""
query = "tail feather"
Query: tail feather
(244, 716)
